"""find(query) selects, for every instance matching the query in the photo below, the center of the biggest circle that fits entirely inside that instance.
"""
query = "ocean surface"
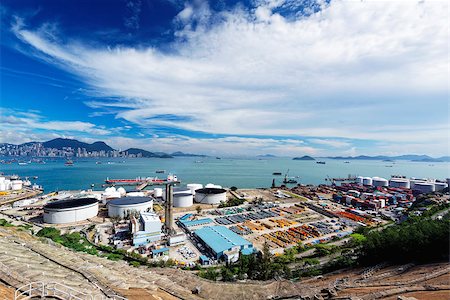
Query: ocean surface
(239, 172)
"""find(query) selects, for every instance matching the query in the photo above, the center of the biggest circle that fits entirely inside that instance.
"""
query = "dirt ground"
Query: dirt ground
(6, 293)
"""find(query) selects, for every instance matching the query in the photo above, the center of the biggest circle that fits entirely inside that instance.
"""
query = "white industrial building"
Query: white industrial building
(124, 206)
(70, 211)
(7, 184)
(147, 230)
(210, 195)
(367, 181)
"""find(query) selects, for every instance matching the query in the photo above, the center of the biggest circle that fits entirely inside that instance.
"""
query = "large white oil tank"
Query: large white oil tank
(439, 186)
(359, 180)
(2, 178)
(2, 186)
(178, 190)
(210, 195)
(213, 186)
(183, 200)
(378, 181)
(122, 191)
(413, 182)
(136, 194)
(424, 187)
(399, 183)
(157, 192)
(367, 181)
(7, 184)
(194, 186)
(16, 185)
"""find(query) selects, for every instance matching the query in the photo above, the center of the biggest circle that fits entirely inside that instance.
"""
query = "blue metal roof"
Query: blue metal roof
(156, 251)
(247, 251)
(188, 223)
(204, 258)
(220, 238)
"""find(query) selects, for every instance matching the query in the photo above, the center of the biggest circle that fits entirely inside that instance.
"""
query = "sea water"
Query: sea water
(239, 172)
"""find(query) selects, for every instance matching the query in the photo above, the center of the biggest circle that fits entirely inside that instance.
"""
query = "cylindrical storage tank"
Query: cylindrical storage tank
(2, 178)
(16, 185)
(7, 184)
(122, 191)
(214, 186)
(70, 211)
(2, 186)
(210, 195)
(178, 190)
(194, 186)
(424, 187)
(439, 186)
(123, 206)
(135, 194)
(157, 192)
(399, 183)
(359, 180)
(183, 200)
(367, 181)
(413, 182)
(378, 181)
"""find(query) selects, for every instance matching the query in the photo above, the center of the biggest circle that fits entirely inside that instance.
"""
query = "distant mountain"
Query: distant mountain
(305, 157)
(266, 156)
(145, 153)
(411, 157)
(181, 154)
(61, 143)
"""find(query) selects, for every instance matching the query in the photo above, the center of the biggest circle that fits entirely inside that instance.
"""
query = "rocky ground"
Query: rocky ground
(24, 259)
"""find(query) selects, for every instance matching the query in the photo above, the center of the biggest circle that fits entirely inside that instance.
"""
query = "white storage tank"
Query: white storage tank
(122, 191)
(210, 195)
(194, 186)
(359, 180)
(214, 186)
(2, 186)
(367, 181)
(424, 187)
(16, 185)
(70, 211)
(123, 206)
(439, 186)
(157, 192)
(178, 190)
(183, 200)
(399, 183)
(378, 181)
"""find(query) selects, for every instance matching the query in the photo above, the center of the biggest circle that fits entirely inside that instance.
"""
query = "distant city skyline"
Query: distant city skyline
(290, 78)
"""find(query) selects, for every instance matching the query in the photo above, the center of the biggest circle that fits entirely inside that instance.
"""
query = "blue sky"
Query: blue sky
(228, 77)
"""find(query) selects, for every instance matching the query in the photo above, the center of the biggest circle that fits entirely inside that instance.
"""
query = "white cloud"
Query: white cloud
(26, 122)
(355, 70)
(331, 143)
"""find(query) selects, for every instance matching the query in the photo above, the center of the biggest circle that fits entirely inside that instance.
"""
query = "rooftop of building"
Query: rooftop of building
(149, 217)
(190, 223)
(220, 238)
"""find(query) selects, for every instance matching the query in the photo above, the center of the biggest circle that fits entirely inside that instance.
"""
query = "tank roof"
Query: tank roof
(71, 203)
(210, 191)
(130, 200)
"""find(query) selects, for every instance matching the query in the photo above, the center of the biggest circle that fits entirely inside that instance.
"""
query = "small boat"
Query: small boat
(346, 162)
(98, 162)
(22, 163)
(160, 171)
(68, 163)
(320, 162)
(276, 173)
(218, 157)
(289, 180)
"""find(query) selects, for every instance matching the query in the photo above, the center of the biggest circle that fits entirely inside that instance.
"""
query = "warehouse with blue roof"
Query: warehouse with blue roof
(223, 243)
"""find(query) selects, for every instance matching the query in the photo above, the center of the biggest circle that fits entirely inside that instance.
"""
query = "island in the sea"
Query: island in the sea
(305, 157)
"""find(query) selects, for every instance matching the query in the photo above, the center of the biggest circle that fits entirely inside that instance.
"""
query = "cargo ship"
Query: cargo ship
(140, 180)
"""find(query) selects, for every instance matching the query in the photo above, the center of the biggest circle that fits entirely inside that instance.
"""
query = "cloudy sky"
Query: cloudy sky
(229, 77)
